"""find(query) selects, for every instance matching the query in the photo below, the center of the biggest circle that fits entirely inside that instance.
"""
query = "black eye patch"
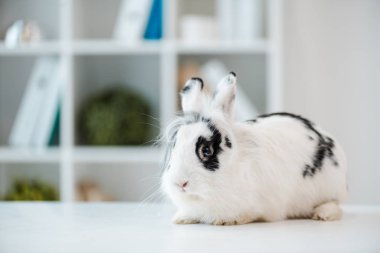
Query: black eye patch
(228, 142)
(207, 150)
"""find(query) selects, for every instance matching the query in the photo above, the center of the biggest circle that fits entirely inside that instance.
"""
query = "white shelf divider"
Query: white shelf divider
(40, 48)
(15, 155)
(274, 63)
(67, 185)
(149, 155)
(109, 47)
(227, 47)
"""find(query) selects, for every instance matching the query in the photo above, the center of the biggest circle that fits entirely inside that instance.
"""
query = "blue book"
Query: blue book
(55, 131)
(154, 26)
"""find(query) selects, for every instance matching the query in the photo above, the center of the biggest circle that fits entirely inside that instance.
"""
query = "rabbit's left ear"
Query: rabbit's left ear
(224, 97)
(193, 97)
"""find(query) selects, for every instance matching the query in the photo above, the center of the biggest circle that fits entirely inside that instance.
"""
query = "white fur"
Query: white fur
(259, 178)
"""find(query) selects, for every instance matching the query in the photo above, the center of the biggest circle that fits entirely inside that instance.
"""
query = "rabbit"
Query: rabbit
(224, 172)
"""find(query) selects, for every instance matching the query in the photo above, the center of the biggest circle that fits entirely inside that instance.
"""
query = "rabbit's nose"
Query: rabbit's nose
(183, 184)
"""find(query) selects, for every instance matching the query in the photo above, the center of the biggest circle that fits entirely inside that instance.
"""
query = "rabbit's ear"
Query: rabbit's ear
(224, 97)
(193, 97)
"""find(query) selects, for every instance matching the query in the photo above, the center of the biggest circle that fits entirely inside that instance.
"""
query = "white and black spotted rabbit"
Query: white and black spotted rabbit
(224, 172)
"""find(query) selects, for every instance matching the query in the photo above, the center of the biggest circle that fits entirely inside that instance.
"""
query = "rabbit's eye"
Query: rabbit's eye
(205, 152)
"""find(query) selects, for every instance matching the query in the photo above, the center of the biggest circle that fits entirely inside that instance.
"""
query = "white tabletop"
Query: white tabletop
(31, 227)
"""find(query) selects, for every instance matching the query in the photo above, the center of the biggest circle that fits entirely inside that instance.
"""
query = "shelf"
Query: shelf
(40, 48)
(83, 155)
(105, 47)
(117, 155)
(223, 47)
(20, 155)
(101, 47)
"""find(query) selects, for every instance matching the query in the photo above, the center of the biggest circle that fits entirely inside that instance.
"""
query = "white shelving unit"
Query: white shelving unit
(90, 59)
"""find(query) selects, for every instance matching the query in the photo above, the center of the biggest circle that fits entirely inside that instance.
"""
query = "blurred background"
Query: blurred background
(86, 86)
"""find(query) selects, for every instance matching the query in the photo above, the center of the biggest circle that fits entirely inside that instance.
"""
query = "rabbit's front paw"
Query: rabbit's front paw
(183, 219)
(224, 222)
(238, 221)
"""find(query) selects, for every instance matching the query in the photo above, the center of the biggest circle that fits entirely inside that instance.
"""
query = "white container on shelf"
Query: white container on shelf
(198, 29)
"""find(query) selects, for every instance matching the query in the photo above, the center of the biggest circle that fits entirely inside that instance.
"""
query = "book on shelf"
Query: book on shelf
(55, 132)
(49, 109)
(132, 20)
(153, 29)
(35, 119)
(213, 71)
(26, 118)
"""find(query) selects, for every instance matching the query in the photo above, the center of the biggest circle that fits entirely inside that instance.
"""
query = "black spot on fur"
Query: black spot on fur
(186, 89)
(199, 80)
(308, 124)
(233, 73)
(251, 121)
(228, 142)
(311, 138)
(324, 147)
(212, 163)
(215, 140)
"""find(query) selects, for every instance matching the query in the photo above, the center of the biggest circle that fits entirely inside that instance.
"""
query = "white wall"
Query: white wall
(332, 75)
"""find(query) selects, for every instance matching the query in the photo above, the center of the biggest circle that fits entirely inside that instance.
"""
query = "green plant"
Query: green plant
(33, 190)
(116, 116)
